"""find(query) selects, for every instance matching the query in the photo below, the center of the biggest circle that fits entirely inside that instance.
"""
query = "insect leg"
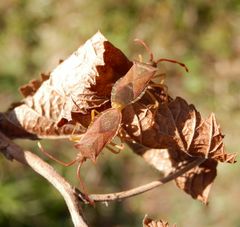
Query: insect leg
(74, 138)
(156, 103)
(160, 76)
(82, 185)
(93, 114)
(119, 148)
(55, 159)
(112, 150)
(163, 86)
(140, 58)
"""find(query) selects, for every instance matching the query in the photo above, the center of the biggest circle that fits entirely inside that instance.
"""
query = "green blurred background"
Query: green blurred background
(35, 34)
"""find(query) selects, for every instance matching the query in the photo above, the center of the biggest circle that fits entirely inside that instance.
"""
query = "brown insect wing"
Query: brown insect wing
(132, 86)
(101, 132)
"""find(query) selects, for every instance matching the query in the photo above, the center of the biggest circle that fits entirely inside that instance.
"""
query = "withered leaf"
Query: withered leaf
(178, 129)
(194, 135)
(177, 126)
(198, 181)
(148, 222)
(80, 83)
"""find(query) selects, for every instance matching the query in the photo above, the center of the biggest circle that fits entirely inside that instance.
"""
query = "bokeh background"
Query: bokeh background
(35, 34)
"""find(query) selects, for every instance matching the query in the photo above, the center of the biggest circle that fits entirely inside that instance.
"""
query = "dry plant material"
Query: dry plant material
(171, 124)
(168, 133)
(198, 181)
(179, 128)
(31, 88)
(148, 222)
(68, 94)
(127, 90)
(106, 126)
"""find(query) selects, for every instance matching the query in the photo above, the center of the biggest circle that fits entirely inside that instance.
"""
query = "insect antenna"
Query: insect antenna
(164, 87)
(118, 147)
(172, 61)
(141, 42)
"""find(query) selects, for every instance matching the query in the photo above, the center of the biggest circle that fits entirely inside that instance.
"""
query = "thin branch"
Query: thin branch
(144, 188)
(13, 151)
(71, 195)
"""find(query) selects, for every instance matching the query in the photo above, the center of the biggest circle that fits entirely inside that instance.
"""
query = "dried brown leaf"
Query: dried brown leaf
(173, 130)
(148, 222)
(177, 126)
(176, 134)
(198, 181)
(76, 86)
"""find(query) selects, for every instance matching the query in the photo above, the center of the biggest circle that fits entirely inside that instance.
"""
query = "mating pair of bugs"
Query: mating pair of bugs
(127, 90)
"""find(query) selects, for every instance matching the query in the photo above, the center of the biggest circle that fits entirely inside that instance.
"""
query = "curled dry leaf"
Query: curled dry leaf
(198, 181)
(191, 133)
(79, 84)
(148, 222)
(176, 133)
(177, 126)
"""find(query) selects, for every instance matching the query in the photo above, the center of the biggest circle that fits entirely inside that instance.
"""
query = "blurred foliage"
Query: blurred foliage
(205, 35)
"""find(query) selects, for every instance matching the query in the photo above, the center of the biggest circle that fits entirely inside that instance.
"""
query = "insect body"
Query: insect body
(100, 133)
(131, 87)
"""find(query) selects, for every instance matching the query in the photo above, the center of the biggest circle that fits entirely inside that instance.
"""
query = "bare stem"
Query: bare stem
(13, 151)
(146, 187)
